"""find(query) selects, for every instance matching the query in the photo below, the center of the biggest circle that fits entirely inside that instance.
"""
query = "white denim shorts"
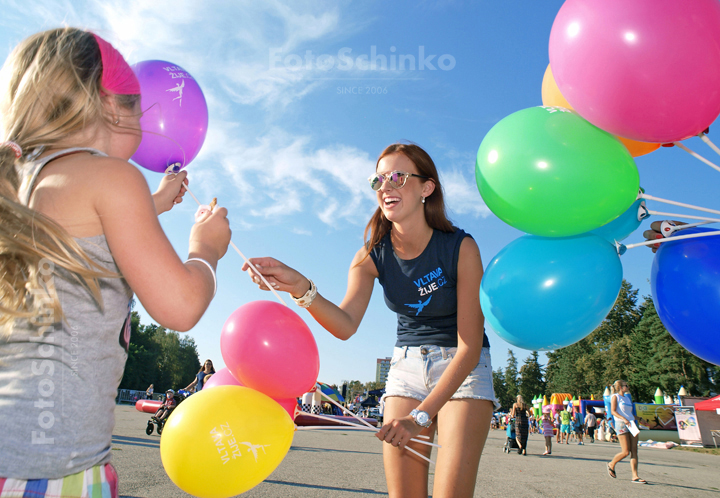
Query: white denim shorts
(416, 370)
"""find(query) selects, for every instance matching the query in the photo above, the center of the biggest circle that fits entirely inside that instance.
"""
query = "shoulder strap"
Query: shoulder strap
(28, 172)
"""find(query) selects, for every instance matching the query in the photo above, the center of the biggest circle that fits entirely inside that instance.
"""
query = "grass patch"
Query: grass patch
(709, 451)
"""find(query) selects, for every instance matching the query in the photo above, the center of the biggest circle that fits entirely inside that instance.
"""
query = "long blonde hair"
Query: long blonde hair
(50, 92)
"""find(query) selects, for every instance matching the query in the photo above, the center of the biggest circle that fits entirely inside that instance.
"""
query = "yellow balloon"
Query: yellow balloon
(223, 441)
(551, 95)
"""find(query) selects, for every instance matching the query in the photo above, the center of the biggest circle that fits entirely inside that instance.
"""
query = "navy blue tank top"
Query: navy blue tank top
(423, 291)
(200, 381)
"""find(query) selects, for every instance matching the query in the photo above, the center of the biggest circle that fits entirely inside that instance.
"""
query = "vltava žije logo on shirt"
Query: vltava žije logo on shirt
(426, 285)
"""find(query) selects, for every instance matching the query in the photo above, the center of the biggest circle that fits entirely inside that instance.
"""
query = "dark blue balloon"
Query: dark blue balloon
(685, 284)
(542, 293)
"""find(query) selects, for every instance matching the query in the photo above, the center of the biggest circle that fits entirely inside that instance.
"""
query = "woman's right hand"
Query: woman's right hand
(210, 235)
(280, 276)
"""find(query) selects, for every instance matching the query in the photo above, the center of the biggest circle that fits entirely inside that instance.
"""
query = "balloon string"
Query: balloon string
(669, 239)
(355, 428)
(697, 156)
(705, 139)
(681, 204)
(360, 427)
(232, 244)
(345, 410)
(676, 215)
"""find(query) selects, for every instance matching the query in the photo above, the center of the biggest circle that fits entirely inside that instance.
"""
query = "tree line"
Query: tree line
(630, 344)
(159, 356)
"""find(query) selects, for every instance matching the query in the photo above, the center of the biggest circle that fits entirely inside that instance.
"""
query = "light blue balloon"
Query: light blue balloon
(621, 227)
(542, 293)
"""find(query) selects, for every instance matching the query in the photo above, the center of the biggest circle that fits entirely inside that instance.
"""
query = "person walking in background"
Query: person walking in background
(520, 413)
(622, 412)
(591, 424)
(558, 426)
(577, 426)
(203, 375)
(565, 426)
(149, 391)
(548, 428)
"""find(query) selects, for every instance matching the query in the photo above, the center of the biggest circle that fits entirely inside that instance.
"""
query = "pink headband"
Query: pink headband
(117, 77)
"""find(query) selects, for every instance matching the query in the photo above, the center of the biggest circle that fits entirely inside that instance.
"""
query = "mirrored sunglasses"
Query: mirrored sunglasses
(396, 179)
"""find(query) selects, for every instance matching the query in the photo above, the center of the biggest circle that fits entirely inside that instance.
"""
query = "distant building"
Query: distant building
(382, 369)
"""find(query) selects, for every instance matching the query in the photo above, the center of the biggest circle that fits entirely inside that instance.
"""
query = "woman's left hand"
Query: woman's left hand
(399, 431)
(170, 192)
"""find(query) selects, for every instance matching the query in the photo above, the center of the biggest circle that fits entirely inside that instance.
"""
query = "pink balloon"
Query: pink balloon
(289, 404)
(648, 70)
(269, 348)
(175, 116)
(222, 377)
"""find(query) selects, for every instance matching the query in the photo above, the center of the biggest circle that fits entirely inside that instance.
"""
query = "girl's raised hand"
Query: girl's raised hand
(210, 235)
(170, 191)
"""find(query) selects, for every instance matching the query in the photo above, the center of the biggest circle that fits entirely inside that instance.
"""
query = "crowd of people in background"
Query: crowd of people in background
(569, 425)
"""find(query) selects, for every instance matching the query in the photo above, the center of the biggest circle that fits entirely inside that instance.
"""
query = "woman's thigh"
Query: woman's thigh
(463, 426)
(406, 474)
(625, 442)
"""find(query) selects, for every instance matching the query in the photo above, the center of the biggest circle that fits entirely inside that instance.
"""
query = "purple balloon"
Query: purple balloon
(175, 116)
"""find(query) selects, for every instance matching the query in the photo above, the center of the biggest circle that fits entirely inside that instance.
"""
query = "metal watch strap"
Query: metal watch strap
(415, 413)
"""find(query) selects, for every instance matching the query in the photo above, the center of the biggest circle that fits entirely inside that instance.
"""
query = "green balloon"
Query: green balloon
(549, 172)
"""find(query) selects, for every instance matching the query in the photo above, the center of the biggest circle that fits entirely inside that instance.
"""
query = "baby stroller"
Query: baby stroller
(181, 395)
(511, 442)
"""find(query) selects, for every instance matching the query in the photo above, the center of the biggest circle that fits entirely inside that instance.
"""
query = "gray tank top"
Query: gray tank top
(58, 381)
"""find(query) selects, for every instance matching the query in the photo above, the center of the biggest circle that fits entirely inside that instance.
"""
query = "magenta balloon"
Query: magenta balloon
(222, 377)
(648, 70)
(175, 116)
(290, 404)
(269, 348)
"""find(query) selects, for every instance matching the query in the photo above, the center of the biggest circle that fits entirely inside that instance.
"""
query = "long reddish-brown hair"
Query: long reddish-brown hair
(435, 214)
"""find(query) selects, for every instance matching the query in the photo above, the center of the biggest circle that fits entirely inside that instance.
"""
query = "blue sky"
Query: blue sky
(290, 145)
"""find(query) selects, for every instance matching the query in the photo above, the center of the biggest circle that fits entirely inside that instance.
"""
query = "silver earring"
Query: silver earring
(117, 121)
(423, 200)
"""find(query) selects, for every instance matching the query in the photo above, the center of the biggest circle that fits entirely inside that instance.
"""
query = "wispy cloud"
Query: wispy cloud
(461, 194)
(249, 158)
(279, 174)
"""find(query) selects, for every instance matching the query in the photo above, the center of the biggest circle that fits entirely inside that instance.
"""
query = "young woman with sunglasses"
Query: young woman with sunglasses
(440, 376)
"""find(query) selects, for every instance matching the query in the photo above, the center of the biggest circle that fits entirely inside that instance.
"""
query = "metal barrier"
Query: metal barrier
(129, 396)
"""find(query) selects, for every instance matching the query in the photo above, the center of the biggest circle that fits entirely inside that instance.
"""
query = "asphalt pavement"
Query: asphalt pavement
(348, 464)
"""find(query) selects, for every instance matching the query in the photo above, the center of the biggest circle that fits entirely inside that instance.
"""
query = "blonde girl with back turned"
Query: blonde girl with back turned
(79, 235)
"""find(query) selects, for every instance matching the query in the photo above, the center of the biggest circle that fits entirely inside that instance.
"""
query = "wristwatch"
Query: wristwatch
(421, 418)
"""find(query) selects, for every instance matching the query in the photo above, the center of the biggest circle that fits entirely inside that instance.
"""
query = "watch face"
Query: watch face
(422, 418)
